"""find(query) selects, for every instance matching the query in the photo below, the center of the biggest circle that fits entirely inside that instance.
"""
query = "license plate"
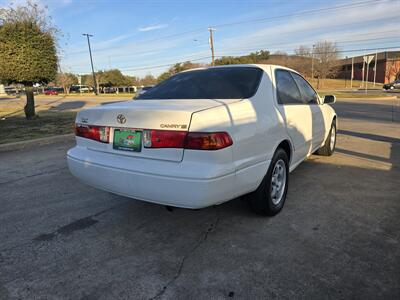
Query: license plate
(127, 140)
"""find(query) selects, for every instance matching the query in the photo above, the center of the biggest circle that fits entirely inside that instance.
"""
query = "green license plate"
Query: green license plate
(127, 140)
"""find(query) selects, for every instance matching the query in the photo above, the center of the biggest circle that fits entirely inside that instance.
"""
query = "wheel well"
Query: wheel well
(285, 145)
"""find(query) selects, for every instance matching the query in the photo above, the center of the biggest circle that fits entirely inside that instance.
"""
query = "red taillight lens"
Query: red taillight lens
(207, 140)
(163, 138)
(186, 140)
(97, 133)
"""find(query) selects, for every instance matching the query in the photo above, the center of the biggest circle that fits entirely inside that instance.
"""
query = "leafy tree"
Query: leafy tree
(164, 76)
(252, 58)
(148, 80)
(100, 80)
(179, 67)
(66, 80)
(132, 80)
(27, 49)
(114, 77)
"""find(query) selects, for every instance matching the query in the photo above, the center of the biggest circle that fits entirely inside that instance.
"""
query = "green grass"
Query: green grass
(17, 128)
(349, 94)
(341, 84)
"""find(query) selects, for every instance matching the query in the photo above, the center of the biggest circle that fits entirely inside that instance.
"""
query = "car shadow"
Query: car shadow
(70, 105)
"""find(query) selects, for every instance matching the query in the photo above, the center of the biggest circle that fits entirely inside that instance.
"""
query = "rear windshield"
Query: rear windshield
(214, 83)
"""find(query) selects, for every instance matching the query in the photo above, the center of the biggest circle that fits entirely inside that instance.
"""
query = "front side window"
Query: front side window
(286, 88)
(212, 83)
(307, 92)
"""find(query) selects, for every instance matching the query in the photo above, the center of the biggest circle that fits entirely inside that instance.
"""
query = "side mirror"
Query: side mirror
(329, 99)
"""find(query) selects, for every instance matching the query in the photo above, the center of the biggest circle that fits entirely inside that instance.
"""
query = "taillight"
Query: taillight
(207, 140)
(97, 133)
(186, 140)
(163, 138)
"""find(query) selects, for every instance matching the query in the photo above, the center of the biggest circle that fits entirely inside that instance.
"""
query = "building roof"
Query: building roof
(382, 56)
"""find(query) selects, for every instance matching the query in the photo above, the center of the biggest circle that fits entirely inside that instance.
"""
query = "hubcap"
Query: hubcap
(333, 138)
(278, 182)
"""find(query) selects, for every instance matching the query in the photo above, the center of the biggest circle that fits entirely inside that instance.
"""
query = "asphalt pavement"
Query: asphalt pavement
(338, 236)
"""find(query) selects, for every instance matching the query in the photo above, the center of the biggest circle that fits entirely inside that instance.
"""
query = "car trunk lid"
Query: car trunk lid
(138, 115)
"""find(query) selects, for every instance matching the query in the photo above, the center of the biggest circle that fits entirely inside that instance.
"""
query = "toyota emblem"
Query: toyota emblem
(121, 119)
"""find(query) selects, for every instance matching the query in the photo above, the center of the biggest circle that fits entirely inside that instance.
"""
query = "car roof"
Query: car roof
(264, 67)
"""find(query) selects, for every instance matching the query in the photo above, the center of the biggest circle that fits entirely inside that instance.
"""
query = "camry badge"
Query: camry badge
(121, 119)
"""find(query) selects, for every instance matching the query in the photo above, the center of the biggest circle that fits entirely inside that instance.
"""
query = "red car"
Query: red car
(51, 92)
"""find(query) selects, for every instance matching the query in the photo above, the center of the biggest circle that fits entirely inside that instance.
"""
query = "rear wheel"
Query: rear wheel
(270, 196)
(330, 143)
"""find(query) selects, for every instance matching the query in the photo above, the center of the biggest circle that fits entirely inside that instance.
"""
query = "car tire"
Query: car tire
(270, 196)
(330, 143)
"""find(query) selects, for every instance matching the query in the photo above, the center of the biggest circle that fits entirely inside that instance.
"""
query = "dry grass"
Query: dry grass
(341, 84)
(16, 128)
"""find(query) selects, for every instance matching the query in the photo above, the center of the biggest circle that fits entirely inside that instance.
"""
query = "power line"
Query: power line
(269, 46)
(340, 51)
(304, 12)
(257, 20)
(160, 66)
(220, 56)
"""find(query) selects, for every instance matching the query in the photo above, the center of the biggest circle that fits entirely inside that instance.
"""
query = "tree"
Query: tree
(179, 67)
(252, 58)
(148, 80)
(132, 80)
(114, 77)
(326, 55)
(27, 49)
(66, 80)
(303, 51)
(392, 71)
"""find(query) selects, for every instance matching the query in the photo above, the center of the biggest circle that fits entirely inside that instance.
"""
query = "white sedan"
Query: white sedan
(206, 136)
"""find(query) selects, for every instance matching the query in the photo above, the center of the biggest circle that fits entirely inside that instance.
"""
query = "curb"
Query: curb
(371, 98)
(36, 142)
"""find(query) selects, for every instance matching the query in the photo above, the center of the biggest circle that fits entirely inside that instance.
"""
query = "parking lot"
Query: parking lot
(338, 235)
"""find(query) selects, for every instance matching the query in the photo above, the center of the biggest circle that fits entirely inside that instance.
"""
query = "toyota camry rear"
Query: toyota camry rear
(172, 145)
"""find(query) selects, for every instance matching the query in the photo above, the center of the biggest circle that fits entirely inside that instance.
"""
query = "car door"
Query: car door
(310, 98)
(296, 114)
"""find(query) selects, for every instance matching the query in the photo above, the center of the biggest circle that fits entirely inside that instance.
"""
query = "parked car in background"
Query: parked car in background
(206, 136)
(51, 92)
(79, 89)
(9, 90)
(393, 85)
(145, 89)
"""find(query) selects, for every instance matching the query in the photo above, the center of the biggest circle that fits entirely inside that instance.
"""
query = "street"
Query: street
(338, 235)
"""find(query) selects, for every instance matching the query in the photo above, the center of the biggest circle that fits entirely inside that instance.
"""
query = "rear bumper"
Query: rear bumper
(150, 185)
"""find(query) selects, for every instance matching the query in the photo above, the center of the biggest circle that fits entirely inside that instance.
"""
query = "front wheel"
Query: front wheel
(270, 196)
(330, 143)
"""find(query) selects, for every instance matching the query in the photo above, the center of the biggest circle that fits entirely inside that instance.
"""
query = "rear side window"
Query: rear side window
(307, 92)
(286, 88)
(213, 83)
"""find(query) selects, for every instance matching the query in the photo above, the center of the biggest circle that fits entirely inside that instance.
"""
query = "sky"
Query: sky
(145, 37)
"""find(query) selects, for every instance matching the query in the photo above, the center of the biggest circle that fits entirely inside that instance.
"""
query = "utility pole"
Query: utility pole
(312, 63)
(211, 44)
(376, 61)
(362, 80)
(91, 61)
(352, 72)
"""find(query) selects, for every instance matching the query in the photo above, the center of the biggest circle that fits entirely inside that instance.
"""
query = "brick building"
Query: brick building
(387, 68)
